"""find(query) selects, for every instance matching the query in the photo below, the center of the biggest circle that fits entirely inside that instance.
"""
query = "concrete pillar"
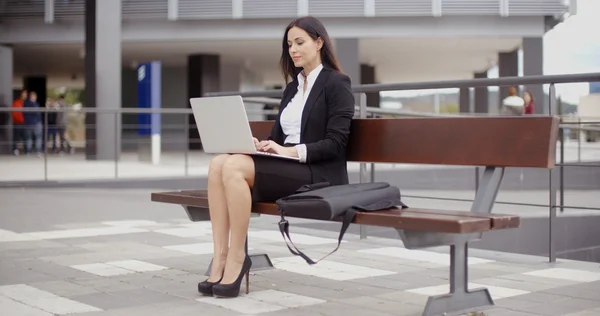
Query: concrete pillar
(464, 100)
(6, 98)
(533, 65)
(202, 77)
(367, 76)
(347, 51)
(103, 78)
(481, 95)
(508, 66)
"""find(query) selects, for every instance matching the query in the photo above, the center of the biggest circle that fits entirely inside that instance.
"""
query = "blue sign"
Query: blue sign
(594, 87)
(149, 94)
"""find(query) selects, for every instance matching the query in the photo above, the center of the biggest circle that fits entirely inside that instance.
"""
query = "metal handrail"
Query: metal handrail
(261, 97)
(425, 85)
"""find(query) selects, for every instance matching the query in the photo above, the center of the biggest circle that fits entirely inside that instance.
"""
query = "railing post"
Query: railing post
(579, 140)
(552, 187)
(117, 135)
(186, 129)
(45, 144)
(363, 165)
(562, 159)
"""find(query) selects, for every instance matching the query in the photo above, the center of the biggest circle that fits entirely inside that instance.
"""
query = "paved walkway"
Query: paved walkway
(172, 164)
(109, 253)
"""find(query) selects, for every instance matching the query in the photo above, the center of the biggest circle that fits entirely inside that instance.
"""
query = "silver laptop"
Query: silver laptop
(224, 128)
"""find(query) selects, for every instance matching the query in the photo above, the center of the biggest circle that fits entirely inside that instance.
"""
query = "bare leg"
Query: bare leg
(219, 216)
(238, 178)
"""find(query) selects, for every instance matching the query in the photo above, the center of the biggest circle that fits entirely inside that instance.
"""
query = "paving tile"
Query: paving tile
(64, 288)
(31, 253)
(183, 232)
(336, 309)
(19, 275)
(52, 269)
(514, 284)
(102, 269)
(83, 232)
(513, 302)
(420, 255)
(262, 302)
(17, 308)
(298, 239)
(541, 297)
(505, 267)
(378, 304)
(107, 301)
(566, 274)
(536, 279)
(560, 307)
(404, 297)
(196, 249)
(593, 286)
(136, 265)
(102, 284)
(496, 291)
(131, 223)
(43, 300)
(575, 291)
(311, 291)
(328, 269)
(505, 312)
(384, 282)
(10, 236)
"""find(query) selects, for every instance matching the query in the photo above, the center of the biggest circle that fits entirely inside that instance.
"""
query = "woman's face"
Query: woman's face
(527, 98)
(302, 48)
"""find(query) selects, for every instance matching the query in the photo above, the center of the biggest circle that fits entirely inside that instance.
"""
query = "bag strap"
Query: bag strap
(284, 229)
(284, 226)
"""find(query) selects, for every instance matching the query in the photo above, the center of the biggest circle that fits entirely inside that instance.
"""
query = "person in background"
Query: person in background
(513, 104)
(61, 124)
(33, 123)
(52, 128)
(19, 133)
(529, 104)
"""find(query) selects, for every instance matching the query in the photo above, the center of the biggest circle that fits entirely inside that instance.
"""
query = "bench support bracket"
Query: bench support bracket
(483, 203)
(460, 298)
(259, 261)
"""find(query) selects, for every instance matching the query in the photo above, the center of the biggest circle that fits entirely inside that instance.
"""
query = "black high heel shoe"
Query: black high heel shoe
(206, 287)
(233, 289)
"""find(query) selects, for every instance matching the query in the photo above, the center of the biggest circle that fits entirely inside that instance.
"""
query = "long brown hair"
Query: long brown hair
(315, 29)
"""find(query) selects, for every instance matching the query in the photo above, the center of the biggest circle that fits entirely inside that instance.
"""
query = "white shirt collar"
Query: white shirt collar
(312, 76)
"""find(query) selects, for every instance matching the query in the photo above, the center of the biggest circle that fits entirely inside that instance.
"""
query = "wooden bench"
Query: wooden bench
(492, 142)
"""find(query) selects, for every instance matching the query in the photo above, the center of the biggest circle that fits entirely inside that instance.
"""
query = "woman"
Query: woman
(313, 124)
(529, 105)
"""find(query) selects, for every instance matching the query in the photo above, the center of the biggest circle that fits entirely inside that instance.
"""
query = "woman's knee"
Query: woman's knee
(238, 167)
(215, 167)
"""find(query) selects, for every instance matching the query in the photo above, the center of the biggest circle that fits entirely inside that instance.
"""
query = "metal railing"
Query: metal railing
(551, 80)
(555, 177)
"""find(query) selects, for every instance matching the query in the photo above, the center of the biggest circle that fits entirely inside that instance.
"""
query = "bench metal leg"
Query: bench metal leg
(259, 262)
(460, 298)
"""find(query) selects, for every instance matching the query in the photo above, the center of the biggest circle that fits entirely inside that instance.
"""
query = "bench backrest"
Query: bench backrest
(525, 141)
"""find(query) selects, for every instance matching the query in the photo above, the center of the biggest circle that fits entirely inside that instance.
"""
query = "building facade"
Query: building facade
(232, 45)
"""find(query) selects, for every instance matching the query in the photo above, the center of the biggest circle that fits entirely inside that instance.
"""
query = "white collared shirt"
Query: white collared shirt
(291, 117)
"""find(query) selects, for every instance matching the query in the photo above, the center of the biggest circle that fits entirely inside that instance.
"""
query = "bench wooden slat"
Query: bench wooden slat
(413, 219)
(527, 141)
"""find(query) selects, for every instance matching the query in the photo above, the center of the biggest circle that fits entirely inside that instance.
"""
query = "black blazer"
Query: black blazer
(325, 128)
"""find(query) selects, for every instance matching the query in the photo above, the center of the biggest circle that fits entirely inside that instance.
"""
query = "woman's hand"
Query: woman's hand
(272, 147)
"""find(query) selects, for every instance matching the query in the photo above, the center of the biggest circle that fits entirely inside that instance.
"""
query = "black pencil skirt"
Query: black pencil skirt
(275, 178)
